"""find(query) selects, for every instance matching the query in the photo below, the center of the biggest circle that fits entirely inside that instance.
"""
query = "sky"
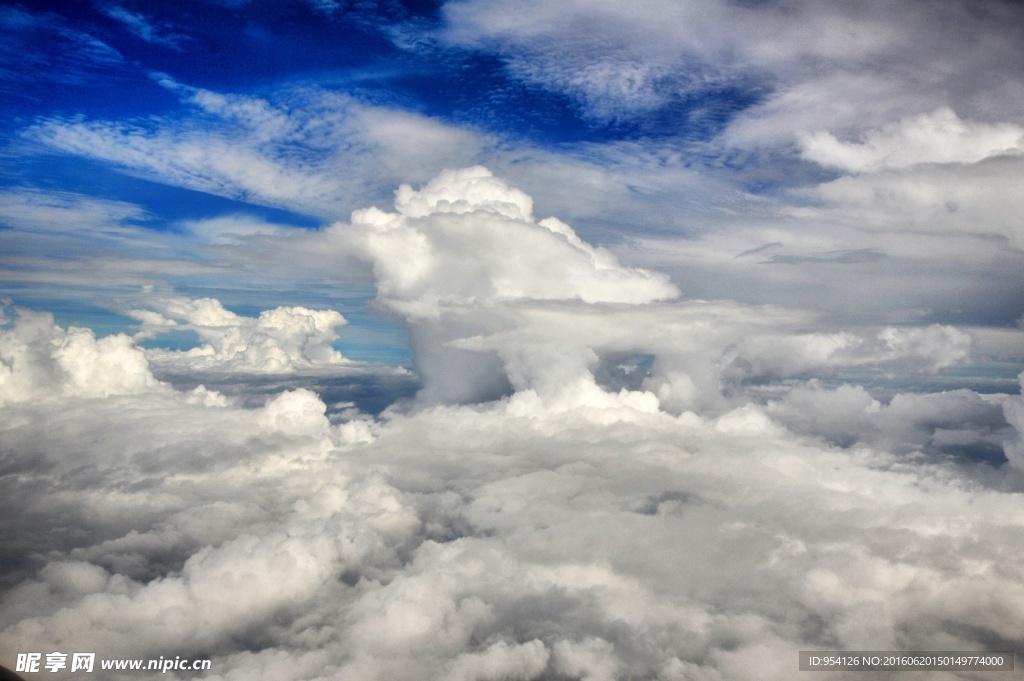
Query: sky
(515, 340)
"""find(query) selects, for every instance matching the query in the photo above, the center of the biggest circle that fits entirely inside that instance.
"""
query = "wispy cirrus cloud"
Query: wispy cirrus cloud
(305, 151)
(75, 55)
(143, 28)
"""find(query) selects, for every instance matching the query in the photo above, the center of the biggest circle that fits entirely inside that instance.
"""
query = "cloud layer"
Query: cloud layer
(657, 491)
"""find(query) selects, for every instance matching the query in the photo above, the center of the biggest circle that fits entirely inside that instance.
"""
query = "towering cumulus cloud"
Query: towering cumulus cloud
(600, 480)
(463, 257)
(497, 303)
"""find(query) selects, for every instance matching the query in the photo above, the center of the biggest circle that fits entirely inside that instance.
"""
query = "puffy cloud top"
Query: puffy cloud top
(40, 359)
(497, 303)
(467, 238)
(279, 340)
(464, 191)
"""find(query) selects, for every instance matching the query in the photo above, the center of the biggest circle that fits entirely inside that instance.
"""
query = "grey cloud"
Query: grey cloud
(956, 425)
(554, 570)
(974, 199)
(821, 63)
(760, 249)
(852, 257)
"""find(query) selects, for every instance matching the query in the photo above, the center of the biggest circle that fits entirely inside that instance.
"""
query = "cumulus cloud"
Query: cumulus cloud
(660, 493)
(39, 359)
(919, 103)
(467, 238)
(601, 478)
(496, 301)
(462, 254)
(478, 543)
(278, 341)
(875, 219)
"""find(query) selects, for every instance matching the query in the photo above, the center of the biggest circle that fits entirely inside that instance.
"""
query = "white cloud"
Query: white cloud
(922, 244)
(34, 210)
(39, 359)
(462, 253)
(654, 547)
(590, 660)
(939, 137)
(467, 238)
(323, 154)
(75, 57)
(979, 199)
(928, 173)
(65, 245)
(143, 28)
(498, 302)
(204, 162)
(870, 88)
(636, 506)
(232, 229)
(296, 413)
(281, 340)
(818, 65)
(351, 150)
(501, 661)
(247, 148)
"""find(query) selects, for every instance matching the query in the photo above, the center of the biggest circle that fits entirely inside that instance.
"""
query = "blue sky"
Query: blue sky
(843, 158)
